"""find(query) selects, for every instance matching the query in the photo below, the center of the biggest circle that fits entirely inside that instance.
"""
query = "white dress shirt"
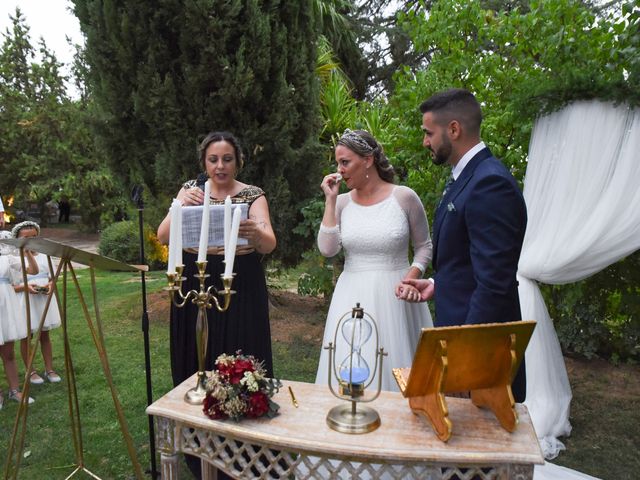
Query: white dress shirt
(466, 158)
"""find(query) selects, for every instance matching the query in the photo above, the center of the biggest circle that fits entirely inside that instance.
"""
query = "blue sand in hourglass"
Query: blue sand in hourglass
(358, 375)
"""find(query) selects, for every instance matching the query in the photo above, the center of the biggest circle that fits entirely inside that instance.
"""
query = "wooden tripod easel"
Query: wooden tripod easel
(68, 254)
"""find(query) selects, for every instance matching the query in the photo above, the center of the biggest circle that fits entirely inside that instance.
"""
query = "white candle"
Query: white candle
(233, 240)
(173, 232)
(178, 233)
(204, 228)
(227, 222)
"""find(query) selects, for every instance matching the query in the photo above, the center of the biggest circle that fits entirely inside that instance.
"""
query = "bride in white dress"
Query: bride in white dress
(374, 224)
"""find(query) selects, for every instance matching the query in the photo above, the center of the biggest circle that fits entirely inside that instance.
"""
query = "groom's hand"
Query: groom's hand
(424, 286)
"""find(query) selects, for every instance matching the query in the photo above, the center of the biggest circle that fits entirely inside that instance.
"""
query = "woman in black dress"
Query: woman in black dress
(245, 325)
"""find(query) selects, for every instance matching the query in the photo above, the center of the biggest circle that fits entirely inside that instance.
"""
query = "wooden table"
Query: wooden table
(299, 444)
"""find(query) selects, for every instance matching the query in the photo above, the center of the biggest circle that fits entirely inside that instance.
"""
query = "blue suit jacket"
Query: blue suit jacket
(478, 232)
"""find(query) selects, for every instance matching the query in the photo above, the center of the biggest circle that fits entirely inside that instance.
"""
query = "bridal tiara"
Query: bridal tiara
(349, 136)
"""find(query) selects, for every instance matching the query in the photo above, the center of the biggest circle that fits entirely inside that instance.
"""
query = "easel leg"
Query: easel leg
(20, 424)
(500, 398)
(72, 391)
(433, 405)
(98, 340)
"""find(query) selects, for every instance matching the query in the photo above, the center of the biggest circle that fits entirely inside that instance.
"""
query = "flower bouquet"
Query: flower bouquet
(239, 388)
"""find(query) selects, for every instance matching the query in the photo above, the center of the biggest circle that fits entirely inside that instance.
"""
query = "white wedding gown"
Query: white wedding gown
(375, 240)
(38, 301)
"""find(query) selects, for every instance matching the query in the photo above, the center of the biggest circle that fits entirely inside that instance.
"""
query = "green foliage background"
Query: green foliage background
(288, 78)
(46, 147)
(522, 60)
(162, 78)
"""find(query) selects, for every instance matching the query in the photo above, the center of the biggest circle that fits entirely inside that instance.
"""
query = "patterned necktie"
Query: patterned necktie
(447, 186)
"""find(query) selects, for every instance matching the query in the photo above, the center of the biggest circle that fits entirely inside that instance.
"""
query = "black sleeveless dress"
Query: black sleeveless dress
(244, 326)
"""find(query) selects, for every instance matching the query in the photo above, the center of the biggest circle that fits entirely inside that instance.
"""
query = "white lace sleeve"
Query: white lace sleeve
(329, 239)
(419, 226)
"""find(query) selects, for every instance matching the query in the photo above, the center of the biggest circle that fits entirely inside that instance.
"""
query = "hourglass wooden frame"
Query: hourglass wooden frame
(350, 418)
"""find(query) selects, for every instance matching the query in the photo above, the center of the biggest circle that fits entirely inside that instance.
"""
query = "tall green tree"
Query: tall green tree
(520, 62)
(164, 74)
(46, 149)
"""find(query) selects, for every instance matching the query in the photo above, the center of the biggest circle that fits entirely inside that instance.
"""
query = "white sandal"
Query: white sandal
(52, 376)
(35, 379)
(13, 395)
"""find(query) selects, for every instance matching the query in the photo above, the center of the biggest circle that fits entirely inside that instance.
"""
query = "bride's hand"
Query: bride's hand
(407, 293)
(331, 185)
(424, 287)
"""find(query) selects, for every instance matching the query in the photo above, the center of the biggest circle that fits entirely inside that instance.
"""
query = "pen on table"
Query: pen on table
(293, 397)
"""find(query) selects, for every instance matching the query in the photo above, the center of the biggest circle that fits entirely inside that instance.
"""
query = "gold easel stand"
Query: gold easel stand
(68, 254)
(482, 359)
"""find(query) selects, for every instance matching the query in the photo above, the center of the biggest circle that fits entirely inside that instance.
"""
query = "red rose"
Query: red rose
(224, 369)
(243, 365)
(212, 408)
(258, 404)
(234, 371)
(237, 369)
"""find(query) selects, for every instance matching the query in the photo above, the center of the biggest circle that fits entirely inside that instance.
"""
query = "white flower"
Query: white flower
(451, 207)
(249, 381)
(234, 407)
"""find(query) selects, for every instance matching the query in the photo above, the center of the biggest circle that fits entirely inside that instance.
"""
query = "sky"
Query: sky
(50, 19)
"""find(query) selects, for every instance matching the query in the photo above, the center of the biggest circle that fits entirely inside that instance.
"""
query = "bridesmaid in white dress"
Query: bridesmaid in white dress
(11, 328)
(39, 286)
(374, 224)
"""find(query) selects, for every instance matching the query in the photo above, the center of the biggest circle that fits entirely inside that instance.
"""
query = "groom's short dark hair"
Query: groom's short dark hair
(455, 104)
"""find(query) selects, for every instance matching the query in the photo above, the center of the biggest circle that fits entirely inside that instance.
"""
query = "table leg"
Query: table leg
(520, 472)
(169, 466)
(209, 472)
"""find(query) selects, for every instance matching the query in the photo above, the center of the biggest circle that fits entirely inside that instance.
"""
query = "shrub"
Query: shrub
(600, 316)
(120, 241)
(319, 277)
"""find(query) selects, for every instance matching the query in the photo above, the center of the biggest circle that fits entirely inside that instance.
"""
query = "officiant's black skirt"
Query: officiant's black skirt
(244, 326)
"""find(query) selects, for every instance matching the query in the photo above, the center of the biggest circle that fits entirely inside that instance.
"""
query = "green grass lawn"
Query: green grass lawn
(48, 449)
(605, 411)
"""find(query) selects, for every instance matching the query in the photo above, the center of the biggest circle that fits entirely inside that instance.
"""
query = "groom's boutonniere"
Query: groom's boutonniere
(451, 207)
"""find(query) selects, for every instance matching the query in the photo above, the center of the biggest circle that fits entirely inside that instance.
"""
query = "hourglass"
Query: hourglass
(354, 374)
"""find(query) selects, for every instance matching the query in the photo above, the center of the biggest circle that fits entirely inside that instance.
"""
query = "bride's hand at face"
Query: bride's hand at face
(331, 185)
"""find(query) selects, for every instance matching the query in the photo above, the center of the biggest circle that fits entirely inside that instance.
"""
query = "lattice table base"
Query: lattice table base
(252, 461)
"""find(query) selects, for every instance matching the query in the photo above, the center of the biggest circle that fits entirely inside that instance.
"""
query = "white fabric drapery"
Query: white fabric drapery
(583, 203)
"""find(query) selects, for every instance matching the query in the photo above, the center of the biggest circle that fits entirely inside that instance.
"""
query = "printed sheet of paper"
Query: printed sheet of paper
(192, 220)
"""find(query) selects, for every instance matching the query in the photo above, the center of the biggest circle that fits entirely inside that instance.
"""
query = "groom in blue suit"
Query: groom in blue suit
(479, 224)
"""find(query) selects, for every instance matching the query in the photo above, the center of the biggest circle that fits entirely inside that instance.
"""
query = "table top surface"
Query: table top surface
(402, 436)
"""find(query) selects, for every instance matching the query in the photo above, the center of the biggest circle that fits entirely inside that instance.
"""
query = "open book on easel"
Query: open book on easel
(481, 359)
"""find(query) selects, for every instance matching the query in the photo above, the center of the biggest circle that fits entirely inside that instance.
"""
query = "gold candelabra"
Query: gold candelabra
(204, 298)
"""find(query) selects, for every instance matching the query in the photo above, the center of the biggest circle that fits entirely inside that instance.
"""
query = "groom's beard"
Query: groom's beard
(443, 153)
